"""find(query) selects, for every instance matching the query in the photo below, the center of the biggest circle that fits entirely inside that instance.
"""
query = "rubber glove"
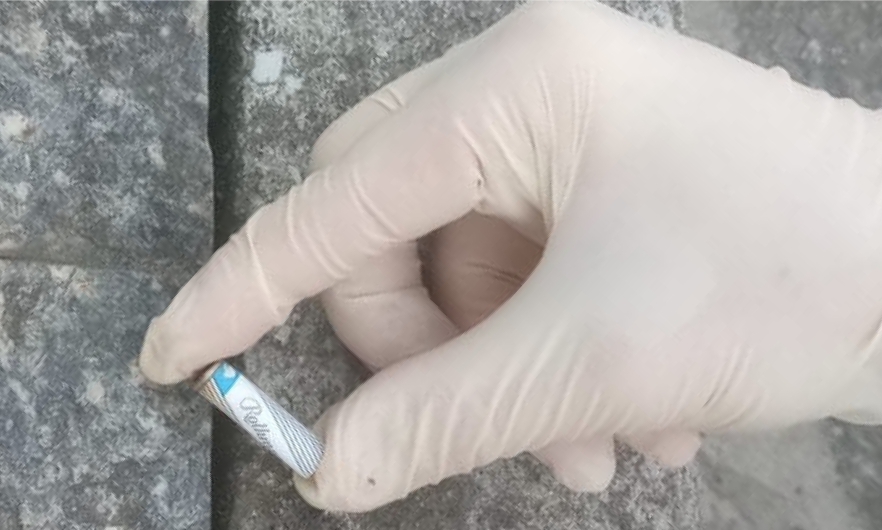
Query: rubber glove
(681, 243)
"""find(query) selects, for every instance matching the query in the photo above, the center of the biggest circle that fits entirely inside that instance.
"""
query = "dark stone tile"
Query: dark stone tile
(857, 451)
(84, 443)
(103, 150)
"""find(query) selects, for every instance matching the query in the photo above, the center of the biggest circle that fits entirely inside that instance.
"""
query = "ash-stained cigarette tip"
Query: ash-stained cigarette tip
(261, 417)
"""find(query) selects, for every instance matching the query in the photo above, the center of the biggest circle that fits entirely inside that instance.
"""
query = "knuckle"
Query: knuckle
(347, 129)
(549, 19)
(326, 148)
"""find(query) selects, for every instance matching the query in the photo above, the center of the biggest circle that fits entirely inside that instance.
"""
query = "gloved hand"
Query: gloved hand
(699, 242)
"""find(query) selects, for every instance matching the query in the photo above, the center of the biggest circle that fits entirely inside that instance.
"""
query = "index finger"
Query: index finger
(410, 175)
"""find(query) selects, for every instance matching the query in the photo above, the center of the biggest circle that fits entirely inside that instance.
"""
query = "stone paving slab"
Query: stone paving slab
(285, 71)
(105, 172)
(84, 444)
(103, 151)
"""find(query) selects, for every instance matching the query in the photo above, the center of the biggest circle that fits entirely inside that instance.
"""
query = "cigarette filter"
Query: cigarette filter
(277, 430)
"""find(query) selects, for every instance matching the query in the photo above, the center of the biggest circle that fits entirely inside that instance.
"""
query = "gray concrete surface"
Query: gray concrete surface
(103, 113)
(105, 210)
(84, 444)
(285, 71)
(829, 475)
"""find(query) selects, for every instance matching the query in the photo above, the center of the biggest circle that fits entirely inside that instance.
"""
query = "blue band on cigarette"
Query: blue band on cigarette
(225, 377)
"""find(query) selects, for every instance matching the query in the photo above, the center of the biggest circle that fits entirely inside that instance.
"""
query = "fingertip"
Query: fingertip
(309, 487)
(307, 490)
(587, 481)
(676, 449)
(344, 481)
(670, 448)
(585, 467)
(153, 361)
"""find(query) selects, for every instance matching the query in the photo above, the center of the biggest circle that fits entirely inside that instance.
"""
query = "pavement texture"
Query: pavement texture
(85, 443)
(102, 124)
(827, 475)
(105, 210)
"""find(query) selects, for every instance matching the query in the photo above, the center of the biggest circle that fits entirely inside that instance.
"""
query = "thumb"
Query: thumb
(482, 396)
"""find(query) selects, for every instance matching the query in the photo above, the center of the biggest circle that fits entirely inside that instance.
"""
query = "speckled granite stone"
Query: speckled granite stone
(103, 155)
(825, 475)
(284, 71)
(104, 164)
(84, 444)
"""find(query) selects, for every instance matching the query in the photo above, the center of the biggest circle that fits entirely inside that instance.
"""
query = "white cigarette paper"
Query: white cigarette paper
(271, 425)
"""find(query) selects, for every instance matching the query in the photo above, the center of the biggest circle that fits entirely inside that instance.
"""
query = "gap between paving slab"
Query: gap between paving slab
(224, 63)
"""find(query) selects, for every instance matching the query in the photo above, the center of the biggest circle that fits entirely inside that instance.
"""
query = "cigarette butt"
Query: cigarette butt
(261, 417)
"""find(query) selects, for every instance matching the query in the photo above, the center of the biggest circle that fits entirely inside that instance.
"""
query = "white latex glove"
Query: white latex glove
(712, 260)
